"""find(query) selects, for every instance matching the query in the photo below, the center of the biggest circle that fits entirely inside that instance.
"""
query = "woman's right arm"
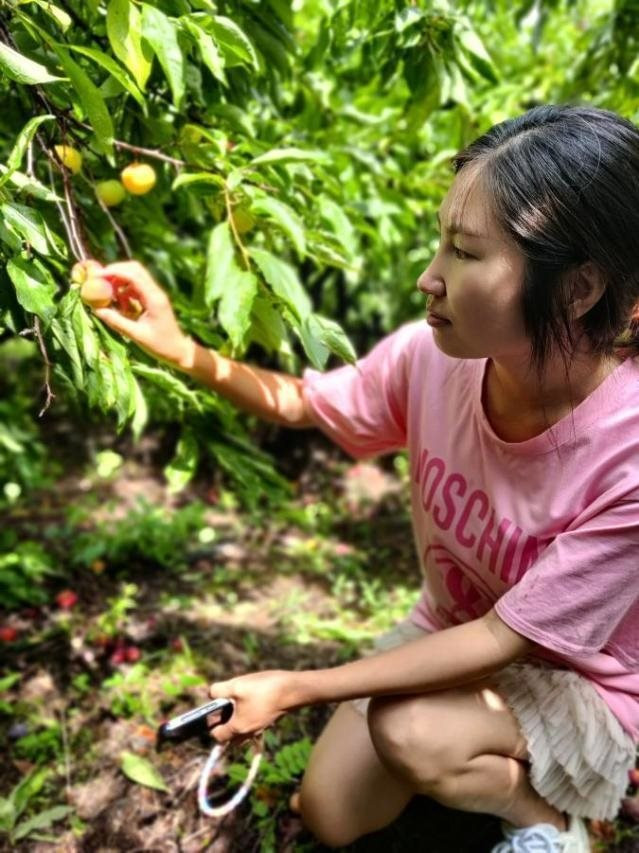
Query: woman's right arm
(274, 396)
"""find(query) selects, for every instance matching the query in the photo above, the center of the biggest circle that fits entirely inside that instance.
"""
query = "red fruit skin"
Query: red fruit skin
(8, 635)
(66, 599)
(118, 657)
(132, 653)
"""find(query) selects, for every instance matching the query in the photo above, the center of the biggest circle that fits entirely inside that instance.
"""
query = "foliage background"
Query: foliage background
(333, 124)
(302, 148)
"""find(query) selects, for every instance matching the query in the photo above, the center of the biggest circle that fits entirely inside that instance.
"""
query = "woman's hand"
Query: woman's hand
(260, 699)
(156, 330)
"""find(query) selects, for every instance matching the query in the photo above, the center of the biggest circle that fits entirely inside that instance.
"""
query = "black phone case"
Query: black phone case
(196, 728)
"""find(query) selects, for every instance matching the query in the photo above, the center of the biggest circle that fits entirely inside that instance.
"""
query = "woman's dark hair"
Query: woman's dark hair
(564, 185)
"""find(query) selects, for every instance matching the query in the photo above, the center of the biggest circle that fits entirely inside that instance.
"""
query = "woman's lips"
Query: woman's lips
(434, 319)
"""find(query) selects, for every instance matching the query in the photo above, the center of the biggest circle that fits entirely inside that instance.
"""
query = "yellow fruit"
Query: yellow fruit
(138, 178)
(110, 193)
(83, 269)
(243, 219)
(97, 292)
(70, 157)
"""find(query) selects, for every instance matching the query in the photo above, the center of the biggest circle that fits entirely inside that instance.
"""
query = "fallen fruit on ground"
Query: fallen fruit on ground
(83, 269)
(97, 292)
(138, 178)
(66, 599)
(110, 193)
(69, 157)
(7, 634)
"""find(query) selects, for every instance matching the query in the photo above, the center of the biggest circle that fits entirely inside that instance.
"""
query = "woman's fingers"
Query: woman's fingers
(118, 322)
(137, 276)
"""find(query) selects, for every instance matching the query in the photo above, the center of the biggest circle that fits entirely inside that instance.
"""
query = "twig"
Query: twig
(77, 250)
(47, 365)
(229, 210)
(65, 748)
(137, 149)
(114, 224)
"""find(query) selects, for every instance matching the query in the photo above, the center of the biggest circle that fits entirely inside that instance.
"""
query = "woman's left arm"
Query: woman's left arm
(435, 661)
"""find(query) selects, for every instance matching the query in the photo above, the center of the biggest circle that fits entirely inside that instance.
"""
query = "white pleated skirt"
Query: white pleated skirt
(579, 754)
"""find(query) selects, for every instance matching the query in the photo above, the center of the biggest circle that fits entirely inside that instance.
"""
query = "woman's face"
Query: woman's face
(475, 282)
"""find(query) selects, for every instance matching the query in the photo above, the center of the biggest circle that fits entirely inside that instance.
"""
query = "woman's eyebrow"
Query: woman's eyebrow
(458, 228)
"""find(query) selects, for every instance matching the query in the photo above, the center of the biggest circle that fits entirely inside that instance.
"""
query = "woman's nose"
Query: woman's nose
(431, 284)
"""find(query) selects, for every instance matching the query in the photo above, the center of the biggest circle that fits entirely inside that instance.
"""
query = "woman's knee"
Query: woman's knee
(410, 740)
(329, 825)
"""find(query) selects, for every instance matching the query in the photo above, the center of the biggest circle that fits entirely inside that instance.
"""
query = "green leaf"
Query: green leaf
(114, 70)
(232, 41)
(56, 13)
(479, 57)
(331, 335)
(21, 144)
(34, 286)
(23, 70)
(64, 333)
(341, 225)
(290, 155)
(26, 789)
(28, 224)
(285, 217)
(182, 467)
(267, 327)
(91, 100)
(188, 178)
(234, 311)
(30, 185)
(220, 258)
(208, 49)
(167, 382)
(140, 770)
(123, 23)
(283, 281)
(41, 821)
(161, 33)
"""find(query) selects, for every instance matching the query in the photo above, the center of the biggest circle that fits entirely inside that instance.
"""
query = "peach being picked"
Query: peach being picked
(83, 269)
(138, 178)
(97, 292)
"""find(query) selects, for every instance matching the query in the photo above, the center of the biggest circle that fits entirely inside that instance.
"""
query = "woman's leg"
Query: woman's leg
(346, 791)
(462, 747)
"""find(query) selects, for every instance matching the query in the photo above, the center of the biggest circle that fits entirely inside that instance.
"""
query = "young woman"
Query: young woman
(513, 688)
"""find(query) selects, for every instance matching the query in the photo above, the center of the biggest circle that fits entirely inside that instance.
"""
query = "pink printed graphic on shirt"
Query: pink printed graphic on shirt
(469, 515)
(460, 598)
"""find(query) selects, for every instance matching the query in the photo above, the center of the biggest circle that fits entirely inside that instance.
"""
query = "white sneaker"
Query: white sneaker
(545, 838)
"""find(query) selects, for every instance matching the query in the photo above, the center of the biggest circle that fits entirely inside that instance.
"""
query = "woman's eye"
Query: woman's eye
(459, 253)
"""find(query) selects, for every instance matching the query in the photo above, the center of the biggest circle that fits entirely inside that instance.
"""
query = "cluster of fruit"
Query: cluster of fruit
(98, 291)
(136, 178)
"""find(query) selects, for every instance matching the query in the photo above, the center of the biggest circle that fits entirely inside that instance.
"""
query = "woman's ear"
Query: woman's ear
(587, 287)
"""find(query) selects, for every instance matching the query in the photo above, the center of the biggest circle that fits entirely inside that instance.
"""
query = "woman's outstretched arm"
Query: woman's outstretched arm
(274, 396)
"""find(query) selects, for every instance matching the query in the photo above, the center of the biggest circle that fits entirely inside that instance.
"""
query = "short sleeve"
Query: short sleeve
(363, 407)
(582, 594)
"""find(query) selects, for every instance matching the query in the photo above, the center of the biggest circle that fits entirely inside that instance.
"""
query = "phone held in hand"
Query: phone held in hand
(194, 723)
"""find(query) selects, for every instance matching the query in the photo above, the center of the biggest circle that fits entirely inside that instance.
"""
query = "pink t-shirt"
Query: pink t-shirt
(545, 530)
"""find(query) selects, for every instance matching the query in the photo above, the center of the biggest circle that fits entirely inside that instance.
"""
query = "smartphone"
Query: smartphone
(194, 723)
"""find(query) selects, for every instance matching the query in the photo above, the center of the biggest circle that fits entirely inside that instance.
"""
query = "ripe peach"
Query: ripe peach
(138, 178)
(110, 193)
(70, 157)
(83, 269)
(97, 292)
